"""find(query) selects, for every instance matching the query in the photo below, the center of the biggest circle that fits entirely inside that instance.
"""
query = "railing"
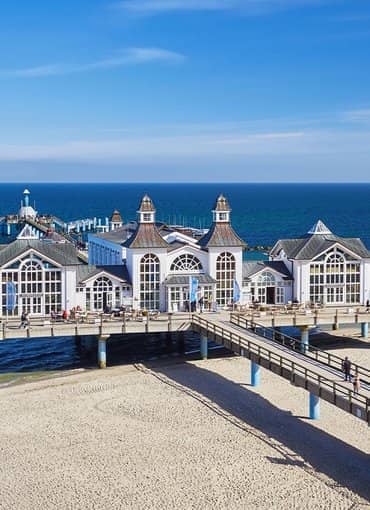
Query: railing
(311, 352)
(237, 342)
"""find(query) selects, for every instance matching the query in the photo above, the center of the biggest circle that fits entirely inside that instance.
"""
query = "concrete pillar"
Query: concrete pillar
(204, 347)
(255, 374)
(314, 407)
(102, 351)
(365, 329)
(305, 339)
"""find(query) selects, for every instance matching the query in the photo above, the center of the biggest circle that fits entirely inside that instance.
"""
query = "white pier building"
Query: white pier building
(147, 265)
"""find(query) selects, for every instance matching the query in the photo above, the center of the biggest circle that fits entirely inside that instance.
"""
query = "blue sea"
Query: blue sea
(261, 214)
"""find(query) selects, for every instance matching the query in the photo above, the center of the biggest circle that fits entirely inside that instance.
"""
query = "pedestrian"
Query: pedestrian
(368, 305)
(24, 320)
(356, 383)
(346, 367)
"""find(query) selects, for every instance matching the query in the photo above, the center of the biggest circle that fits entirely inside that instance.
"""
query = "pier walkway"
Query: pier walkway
(320, 380)
(312, 369)
(328, 315)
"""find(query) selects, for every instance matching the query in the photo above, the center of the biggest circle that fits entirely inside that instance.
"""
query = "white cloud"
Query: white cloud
(130, 56)
(144, 7)
(357, 115)
(210, 147)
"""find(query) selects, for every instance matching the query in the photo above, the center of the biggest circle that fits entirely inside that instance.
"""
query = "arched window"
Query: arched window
(186, 263)
(268, 289)
(266, 279)
(335, 278)
(334, 266)
(102, 293)
(37, 283)
(149, 282)
(225, 273)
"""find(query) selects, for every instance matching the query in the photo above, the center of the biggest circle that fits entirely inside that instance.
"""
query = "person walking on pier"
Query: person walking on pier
(356, 383)
(346, 367)
(24, 320)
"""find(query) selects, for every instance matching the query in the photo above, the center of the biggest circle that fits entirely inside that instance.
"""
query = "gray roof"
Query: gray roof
(252, 268)
(308, 247)
(184, 279)
(219, 235)
(84, 272)
(120, 234)
(64, 254)
(146, 236)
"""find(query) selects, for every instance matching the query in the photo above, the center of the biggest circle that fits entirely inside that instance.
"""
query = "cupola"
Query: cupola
(146, 212)
(221, 211)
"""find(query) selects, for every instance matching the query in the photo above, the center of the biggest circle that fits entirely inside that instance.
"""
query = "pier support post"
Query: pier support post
(365, 329)
(314, 407)
(102, 351)
(204, 347)
(255, 374)
(305, 339)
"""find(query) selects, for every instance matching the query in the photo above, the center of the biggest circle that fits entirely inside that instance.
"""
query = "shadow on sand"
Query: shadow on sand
(296, 442)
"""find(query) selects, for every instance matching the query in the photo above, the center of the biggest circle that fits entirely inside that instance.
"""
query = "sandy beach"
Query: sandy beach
(178, 435)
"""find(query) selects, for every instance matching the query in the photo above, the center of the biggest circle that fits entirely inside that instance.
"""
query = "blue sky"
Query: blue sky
(185, 90)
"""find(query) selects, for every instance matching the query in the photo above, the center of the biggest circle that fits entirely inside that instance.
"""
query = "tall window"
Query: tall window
(225, 273)
(186, 263)
(38, 286)
(335, 278)
(102, 293)
(149, 282)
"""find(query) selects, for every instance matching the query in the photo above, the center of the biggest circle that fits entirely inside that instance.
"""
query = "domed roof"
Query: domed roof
(222, 204)
(116, 217)
(27, 211)
(146, 204)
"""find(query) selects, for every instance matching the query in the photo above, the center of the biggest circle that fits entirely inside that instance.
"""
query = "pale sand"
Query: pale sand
(177, 436)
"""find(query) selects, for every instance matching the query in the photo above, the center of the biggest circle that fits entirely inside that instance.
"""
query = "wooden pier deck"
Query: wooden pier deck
(312, 375)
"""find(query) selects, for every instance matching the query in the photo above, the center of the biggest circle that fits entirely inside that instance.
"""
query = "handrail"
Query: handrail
(327, 358)
(296, 368)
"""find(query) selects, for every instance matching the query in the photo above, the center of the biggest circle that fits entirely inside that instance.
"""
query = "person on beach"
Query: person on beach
(356, 383)
(346, 367)
(24, 320)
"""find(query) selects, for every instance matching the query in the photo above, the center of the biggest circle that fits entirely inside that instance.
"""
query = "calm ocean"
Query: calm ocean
(261, 214)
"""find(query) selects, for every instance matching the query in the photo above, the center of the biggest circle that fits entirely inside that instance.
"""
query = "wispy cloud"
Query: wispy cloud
(129, 56)
(253, 7)
(362, 115)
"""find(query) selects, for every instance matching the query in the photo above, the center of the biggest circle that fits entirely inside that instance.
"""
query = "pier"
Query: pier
(314, 370)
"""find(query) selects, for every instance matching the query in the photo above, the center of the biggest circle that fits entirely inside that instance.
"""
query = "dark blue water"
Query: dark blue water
(261, 214)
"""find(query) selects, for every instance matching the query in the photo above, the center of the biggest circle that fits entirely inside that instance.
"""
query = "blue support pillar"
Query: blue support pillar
(305, 339)
(204, 347)
(314, 407)
(365, 329)
(102, 351)
(255, 374)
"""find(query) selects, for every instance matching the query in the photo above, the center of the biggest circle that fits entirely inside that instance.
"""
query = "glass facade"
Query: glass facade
(335, 279)
(38, 286)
